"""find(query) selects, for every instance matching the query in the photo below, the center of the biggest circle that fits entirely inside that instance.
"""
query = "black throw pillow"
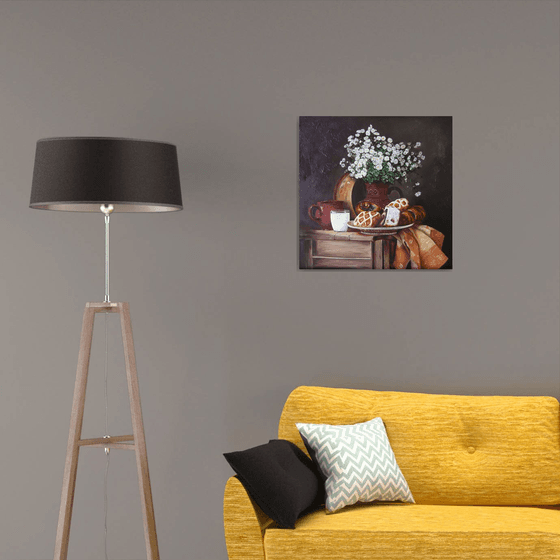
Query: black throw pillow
(281, 479)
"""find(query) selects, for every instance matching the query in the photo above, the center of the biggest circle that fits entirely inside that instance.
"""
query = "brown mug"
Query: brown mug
(321, 212)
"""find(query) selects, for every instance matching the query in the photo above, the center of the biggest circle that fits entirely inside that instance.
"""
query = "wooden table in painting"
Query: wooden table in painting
(335, 249)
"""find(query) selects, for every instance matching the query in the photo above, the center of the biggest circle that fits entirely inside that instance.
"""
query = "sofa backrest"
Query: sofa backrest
(462, 450)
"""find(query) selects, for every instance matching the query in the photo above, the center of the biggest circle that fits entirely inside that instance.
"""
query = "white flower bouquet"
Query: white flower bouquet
(377, 159)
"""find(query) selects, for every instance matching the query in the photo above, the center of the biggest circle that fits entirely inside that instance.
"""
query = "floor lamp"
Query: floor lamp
(105, 175)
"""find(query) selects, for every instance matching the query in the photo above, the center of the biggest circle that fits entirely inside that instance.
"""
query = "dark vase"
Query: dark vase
(376, 193)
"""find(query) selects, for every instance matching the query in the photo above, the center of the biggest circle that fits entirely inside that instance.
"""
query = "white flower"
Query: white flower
(416, 184)
(369, 152)
(417, 145)
(417, 193)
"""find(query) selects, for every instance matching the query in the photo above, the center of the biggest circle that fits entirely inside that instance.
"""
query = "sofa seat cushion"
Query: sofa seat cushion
(426, 532)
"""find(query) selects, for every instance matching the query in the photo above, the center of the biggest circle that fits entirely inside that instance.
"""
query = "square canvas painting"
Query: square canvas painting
(375, 193)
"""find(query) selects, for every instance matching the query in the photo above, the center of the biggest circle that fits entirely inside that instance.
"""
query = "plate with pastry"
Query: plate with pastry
(378, 230)
(385, 222)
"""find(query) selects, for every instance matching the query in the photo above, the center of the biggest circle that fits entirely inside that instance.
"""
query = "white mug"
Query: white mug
(340, 219)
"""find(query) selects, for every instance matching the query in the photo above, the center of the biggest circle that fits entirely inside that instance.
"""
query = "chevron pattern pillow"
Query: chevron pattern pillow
(358, 463)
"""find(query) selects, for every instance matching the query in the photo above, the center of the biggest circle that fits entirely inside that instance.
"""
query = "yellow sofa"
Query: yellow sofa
(484, 472)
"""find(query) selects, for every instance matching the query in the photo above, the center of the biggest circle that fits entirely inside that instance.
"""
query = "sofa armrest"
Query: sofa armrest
(244, 523)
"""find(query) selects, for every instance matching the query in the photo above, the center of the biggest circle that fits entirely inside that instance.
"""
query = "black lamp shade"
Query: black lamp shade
(80, 174)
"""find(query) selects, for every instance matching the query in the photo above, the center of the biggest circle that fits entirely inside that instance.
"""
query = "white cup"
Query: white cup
(340, 219)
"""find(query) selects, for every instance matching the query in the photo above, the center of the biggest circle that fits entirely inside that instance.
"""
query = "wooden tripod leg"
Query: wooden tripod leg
(72, 451)
(139, 437)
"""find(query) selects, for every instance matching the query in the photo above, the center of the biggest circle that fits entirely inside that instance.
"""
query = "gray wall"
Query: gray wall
(225, 324)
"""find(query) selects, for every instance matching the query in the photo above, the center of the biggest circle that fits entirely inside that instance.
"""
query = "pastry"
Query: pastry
(414, 213)
(391, 216)
(366, 206)
(418, 213)
(367, 219)
(422, 213)
(400, 204)
(406, 218)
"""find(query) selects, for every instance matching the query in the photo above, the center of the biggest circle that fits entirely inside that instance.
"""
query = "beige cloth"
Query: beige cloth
(421, 246)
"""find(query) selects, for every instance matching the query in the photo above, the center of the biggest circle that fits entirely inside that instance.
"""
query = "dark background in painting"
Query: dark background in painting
(321, 147)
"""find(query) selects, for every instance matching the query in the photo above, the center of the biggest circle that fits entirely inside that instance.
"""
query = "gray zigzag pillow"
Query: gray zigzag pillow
(358, 463)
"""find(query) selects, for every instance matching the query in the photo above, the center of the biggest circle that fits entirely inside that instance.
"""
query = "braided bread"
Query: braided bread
(367, 219)
(414, 215)
(406, 218)
(419, 213)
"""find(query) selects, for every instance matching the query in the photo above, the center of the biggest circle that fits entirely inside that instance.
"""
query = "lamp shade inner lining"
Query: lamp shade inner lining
(95, 207)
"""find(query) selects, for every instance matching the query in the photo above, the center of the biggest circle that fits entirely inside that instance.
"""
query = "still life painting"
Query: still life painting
(375, 193)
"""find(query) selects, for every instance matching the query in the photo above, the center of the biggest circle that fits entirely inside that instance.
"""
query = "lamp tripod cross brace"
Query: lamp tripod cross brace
(112, 175)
